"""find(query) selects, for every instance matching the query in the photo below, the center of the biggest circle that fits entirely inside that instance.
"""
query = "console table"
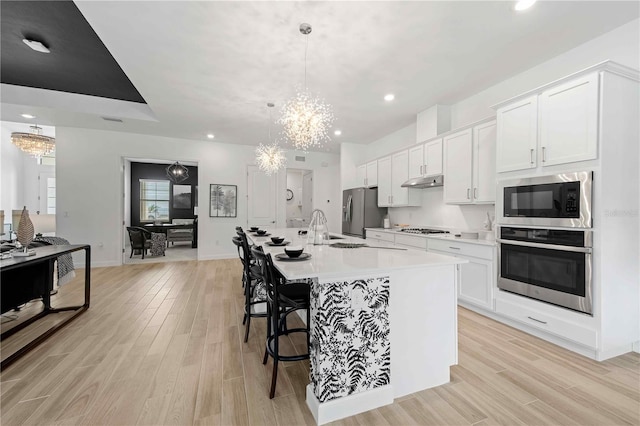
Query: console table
(26, 278)
(165, 226)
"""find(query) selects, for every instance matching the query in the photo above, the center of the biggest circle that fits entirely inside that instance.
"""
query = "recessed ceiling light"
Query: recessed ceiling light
(211, 136)
(28, 116)
(36, 45)
(524, 4)
(389, 97)
(337, 132)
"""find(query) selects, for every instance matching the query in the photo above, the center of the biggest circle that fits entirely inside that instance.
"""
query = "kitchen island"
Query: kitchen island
(383, 322)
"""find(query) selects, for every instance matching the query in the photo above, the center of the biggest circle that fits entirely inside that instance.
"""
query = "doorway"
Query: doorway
(299, 197)
(151, 201)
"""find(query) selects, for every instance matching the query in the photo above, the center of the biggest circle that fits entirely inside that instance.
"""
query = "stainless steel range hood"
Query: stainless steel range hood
(424, 182)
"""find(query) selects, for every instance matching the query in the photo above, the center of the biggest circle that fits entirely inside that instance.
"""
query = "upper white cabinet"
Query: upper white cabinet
(416, 161)
(569, 121)
(425, 159)
(361, 175)
(384, 182)
(433, 158)
(556, 126)
(517, 135)
(367, 175)
(392, 173)
(469, 165)
(458, 161)
(484, 163)
(372, 174)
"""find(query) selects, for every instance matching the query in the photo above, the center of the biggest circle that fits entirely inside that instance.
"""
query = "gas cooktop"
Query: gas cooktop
(423, 231)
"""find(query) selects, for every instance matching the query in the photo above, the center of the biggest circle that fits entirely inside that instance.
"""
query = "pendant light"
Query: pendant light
(306, 119)
(270, 157)
(177, 173)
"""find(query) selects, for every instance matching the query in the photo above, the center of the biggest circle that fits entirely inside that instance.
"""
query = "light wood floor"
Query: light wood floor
(162, 344)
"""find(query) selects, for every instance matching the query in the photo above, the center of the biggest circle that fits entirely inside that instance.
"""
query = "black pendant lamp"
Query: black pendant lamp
(177, 172)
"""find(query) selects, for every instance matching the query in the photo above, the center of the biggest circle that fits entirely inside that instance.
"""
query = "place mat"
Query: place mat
(284, 257)
(271, 243)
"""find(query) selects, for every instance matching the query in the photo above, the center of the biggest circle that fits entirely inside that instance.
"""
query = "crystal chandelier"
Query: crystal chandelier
(34, 143)
(270, 158)
(306, 119)
(177, 172)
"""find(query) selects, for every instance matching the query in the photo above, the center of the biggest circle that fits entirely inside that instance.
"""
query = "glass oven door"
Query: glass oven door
(553, 269)
(556, 274)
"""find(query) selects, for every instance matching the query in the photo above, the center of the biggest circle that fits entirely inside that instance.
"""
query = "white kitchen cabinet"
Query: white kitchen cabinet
(458, 163)
(372, 174)
(416, 161)
(392, 173)
(469, 164)
(425, 159)
(569, 121)
(476, 278)
(367, 175)
(384, 182)
(401, 197)
(517, 135)
(361, 176)
(484, 163)
(433, 158)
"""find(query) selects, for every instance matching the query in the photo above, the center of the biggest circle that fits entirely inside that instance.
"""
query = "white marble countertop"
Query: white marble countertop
(328, 262)
(448, 237)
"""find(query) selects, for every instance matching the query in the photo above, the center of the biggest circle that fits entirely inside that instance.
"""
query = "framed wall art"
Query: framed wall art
(223, 200)
(181, 196)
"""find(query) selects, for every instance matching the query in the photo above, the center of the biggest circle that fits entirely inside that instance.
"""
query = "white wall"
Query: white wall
(90, 183)
(621, 45)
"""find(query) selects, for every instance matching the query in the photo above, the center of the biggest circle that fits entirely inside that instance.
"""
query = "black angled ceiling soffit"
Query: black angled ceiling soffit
(78, 63)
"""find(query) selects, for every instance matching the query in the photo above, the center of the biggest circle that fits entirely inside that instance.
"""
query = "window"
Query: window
(154, 200)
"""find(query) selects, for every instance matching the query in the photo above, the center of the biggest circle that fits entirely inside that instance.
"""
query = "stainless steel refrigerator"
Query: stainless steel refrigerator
(360, 210)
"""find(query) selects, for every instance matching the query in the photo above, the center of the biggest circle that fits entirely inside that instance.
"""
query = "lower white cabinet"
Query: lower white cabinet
(540, 317)
(476, 278)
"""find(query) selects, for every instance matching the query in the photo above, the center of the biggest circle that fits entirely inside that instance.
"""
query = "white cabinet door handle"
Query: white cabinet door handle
(531, 154)
(454, 248)
(421, 170)
(425, 168)
(544, 154)
(475, 193)
(468, 193)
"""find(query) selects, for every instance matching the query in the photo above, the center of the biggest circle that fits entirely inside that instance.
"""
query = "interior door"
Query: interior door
(261, 198)
(47, 193)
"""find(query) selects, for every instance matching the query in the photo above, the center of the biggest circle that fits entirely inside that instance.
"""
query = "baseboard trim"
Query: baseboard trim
(325, 412)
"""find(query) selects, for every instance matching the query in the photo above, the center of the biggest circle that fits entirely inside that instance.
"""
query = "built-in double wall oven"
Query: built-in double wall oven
(545, 241)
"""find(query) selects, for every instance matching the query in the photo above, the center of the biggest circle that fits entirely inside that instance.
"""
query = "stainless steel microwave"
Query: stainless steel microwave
(562, 200)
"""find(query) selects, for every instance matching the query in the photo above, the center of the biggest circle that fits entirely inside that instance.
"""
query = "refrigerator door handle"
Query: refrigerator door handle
(349, 207)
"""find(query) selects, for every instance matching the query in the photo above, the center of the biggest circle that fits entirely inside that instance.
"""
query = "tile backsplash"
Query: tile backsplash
(435, 213)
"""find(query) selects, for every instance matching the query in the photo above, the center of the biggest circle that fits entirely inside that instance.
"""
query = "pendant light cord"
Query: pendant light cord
(306, 46)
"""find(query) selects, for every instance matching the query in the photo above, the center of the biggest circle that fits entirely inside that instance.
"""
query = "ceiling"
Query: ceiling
(211, 67)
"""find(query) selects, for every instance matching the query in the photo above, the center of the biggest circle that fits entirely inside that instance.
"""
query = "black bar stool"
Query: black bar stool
(282, 300)
(254, 286)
